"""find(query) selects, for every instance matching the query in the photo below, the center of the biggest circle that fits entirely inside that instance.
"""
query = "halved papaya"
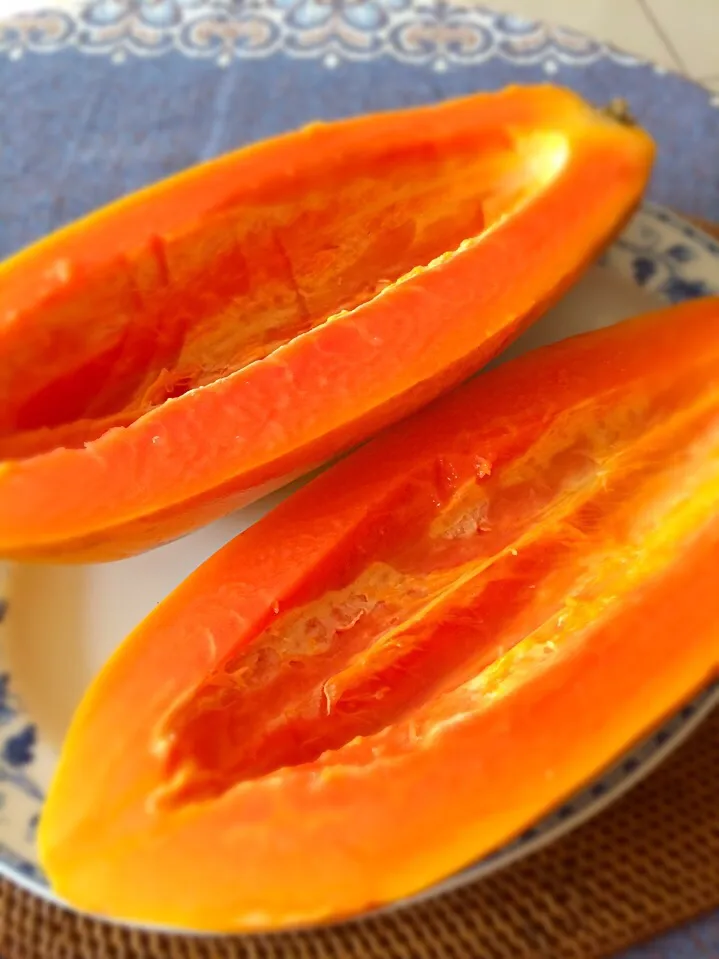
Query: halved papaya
(418, 654)
(195, 345)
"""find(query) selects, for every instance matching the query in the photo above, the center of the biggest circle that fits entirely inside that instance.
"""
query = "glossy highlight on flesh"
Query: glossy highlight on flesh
(416, 656)
(185, 350)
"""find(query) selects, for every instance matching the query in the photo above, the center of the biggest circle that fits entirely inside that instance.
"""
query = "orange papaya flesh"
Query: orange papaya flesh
(193, 346)
(418, 654)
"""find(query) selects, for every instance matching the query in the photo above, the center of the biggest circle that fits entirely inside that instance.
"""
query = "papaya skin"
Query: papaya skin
(417, 655)
(191, 347)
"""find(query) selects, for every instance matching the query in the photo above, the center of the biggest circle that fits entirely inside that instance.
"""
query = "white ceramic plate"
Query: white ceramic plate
(61, 623)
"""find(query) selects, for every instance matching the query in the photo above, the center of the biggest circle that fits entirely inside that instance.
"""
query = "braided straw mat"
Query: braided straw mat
(648, 863)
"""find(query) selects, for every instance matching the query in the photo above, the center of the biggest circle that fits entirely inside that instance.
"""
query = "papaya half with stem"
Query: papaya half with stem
(417, 655)
(195, 345)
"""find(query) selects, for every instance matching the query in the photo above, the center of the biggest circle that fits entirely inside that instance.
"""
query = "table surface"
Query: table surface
(680, 35)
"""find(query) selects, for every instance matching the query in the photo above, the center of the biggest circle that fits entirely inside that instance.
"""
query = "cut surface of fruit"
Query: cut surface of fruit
(417, 655)
(190, 347)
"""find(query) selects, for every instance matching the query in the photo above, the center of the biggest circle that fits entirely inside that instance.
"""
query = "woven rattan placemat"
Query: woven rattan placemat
(648, 863)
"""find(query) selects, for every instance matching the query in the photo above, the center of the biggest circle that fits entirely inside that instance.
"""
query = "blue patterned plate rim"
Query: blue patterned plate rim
(659, 252)
(335, 32)
(439, 34)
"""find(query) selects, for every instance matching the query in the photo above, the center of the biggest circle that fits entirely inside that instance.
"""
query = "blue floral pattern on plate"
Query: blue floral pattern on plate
(437, 33)
(657, 251)
(677, 270)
